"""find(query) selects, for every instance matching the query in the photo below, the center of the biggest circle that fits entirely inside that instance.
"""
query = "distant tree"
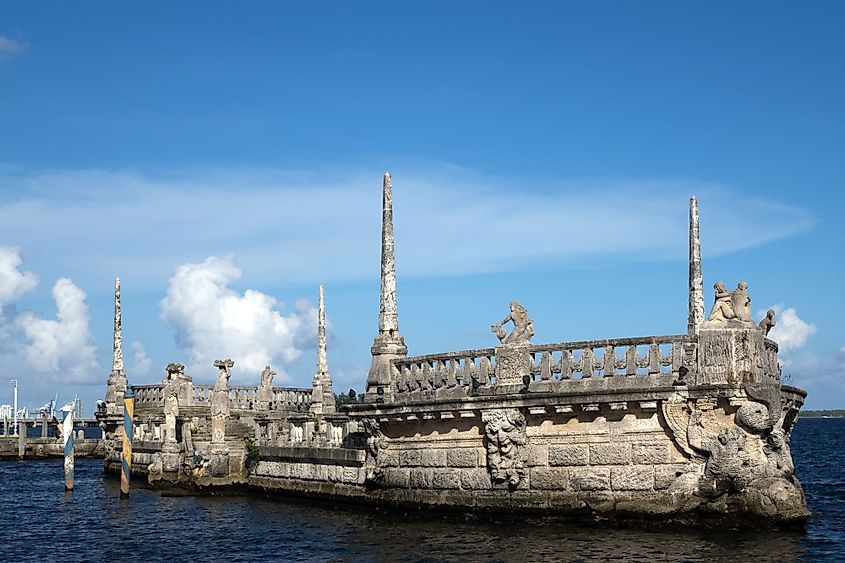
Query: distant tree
(349, 398)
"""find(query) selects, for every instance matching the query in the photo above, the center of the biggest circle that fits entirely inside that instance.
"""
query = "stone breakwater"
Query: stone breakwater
(691, 428)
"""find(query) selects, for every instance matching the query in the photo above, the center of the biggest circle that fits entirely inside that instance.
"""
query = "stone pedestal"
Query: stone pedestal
(730, 353)
(170, 457)
(218, 464)
(513, 362)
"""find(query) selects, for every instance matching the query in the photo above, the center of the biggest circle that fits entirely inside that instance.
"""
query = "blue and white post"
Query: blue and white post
(67, 436)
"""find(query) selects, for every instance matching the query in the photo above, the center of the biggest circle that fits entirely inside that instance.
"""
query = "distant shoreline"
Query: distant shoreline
(834, 413)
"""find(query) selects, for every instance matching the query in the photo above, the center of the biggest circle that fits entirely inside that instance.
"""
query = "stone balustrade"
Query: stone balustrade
(292, 399)
(563, 363)
(629, 357)
(458, 370)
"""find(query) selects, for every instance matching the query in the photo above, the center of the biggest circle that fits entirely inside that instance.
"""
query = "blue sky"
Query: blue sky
(225, 159)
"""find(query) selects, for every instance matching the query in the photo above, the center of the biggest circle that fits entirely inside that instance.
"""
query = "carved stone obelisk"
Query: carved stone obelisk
(696, 281)
(388, 343)
(322, 394)
(117, 378)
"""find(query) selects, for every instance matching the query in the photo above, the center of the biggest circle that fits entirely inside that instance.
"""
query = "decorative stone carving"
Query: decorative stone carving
(731, 305)
(768, 322)
(778, 455)
(220, 400)
(505, 432)
(523, 327)
(181, 380)
(728, 462)
(676, 413)
(375, 444)
(265, 388)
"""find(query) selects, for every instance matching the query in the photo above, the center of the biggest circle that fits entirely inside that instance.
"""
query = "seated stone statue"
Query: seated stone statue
(523, 327)
(741, 302)
(722, 306)
(731, 305)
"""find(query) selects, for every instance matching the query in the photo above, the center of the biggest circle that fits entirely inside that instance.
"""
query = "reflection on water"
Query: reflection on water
(41, 522)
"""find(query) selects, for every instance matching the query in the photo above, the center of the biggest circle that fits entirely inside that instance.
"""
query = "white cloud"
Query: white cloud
(213, 321)
(791, 332)
(141, 363)
(323, 228)
(61, 349)
(9, 46)
(13, 282)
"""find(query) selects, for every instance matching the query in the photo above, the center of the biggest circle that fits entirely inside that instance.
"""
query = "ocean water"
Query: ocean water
(40, 522)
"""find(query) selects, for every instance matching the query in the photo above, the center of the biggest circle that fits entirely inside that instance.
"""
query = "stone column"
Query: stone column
(219, 462)
(696, 281)
(44, 424)
(388, 343)
(322, 394)
(117, 378)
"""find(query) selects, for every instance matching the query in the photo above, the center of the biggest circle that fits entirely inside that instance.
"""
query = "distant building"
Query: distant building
(77, 407)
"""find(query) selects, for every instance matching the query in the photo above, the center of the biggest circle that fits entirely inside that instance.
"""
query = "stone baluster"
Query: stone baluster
(609, 361)
(631, 358)
(567, 364)
(653, 359)
(427, 378)
(587, 363)
(485, 370)
(454, 370)
(545, 366)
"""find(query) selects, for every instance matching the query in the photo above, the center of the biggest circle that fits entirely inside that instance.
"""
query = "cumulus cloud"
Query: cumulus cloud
(141, 363)
(791, 332)
(61, 349)
(13, 282)
(214, 321)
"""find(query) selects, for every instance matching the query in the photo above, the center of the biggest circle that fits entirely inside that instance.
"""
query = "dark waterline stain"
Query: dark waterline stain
(43, 523)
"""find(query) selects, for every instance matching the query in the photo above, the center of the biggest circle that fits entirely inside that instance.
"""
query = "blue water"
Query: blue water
(40, 522)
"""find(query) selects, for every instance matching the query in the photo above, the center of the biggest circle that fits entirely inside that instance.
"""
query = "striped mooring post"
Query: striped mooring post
(67, 436)
(126, 455)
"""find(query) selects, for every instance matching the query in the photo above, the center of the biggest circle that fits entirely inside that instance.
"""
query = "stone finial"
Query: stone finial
(117, 383)
(117, 357)
(388, 343)
(388, 319)
(322, 394)
(696, 281)
(322, 363)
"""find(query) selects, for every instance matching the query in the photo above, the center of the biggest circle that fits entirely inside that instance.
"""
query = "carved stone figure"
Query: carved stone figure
(730, 305)
(220, 400)
(375, 443)
(267, 376)
(265, 389)
(722, 306)
(505, 431)
(741, 302)
(728, 461)
(768, 322)
(523, 327)
(778, 454)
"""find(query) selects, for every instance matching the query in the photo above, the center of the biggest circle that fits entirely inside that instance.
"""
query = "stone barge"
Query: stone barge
(690, 428)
